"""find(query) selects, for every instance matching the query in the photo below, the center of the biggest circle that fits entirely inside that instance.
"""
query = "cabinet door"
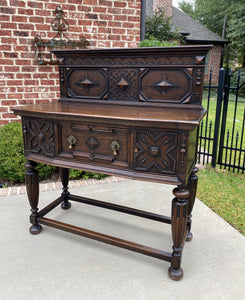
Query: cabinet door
(155, 151)
(39, 137)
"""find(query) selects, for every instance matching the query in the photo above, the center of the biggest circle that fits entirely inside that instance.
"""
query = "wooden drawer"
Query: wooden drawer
(153, 151)
(97, 144)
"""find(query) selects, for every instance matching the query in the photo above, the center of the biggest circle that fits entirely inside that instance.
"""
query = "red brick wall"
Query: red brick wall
(105, 23)
(214, 62)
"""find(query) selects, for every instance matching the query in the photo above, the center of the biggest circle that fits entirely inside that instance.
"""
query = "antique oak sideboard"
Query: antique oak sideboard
(127, 112)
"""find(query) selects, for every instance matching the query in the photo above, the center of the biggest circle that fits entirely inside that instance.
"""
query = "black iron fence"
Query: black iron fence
(221, 134)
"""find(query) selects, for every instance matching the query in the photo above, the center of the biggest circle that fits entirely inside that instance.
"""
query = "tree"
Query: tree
(159, 26)
(212, 15)
(236, 29)
(188, 8)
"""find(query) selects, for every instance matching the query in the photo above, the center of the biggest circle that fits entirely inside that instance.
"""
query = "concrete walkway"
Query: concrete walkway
(59, 265)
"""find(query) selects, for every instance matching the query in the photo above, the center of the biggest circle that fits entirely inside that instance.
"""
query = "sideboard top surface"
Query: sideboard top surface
(99, 112)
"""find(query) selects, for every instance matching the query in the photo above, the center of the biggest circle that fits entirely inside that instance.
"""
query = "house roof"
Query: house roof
(194, 31)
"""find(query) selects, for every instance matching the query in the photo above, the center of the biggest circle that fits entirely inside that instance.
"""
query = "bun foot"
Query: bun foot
(189, 236)
(66, 205)
(175, 274)
(35, 229)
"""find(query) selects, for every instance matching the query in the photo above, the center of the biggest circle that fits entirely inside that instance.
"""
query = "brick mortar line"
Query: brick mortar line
(50, 186)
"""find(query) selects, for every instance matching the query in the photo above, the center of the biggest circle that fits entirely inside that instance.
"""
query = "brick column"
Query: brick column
(165, 4)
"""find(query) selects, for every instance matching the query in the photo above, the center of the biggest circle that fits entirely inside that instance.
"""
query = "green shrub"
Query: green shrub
(87, 175)
(74, 174)
(153, 42)
(12, 160)
(11, 153)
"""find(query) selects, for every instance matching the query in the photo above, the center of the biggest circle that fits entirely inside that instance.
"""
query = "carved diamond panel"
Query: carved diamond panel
(123, 84)
(92, 143)
(40, 137)
(155, 151)
(166, 85)
(87, 83)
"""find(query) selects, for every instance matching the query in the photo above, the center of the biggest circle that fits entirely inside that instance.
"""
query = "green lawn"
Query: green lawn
(221, 190)
(230, 113)
(224, 193)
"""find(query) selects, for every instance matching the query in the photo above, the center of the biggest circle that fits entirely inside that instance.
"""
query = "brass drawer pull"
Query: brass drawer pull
(115, 147)
(71, 140)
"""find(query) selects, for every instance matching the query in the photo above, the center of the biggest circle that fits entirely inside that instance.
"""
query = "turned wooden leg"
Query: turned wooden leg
(179, 230)
(32, 187)
(192, 186)
(64, 174)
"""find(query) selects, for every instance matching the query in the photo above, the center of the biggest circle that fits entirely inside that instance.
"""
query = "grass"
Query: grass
(223, 192)
(234, 120)
(230, 113)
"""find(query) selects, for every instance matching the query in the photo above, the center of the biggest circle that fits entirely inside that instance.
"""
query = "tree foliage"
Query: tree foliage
(188, 8)
(159, 26)
(236, 29)
(212, 14)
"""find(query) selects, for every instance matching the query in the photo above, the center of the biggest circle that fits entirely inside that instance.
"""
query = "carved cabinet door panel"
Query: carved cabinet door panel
(39, 136)
(166, 85)
(87, 83)
(155, 151)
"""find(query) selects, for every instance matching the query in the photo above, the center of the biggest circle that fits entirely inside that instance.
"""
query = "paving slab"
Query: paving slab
(59, 265)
